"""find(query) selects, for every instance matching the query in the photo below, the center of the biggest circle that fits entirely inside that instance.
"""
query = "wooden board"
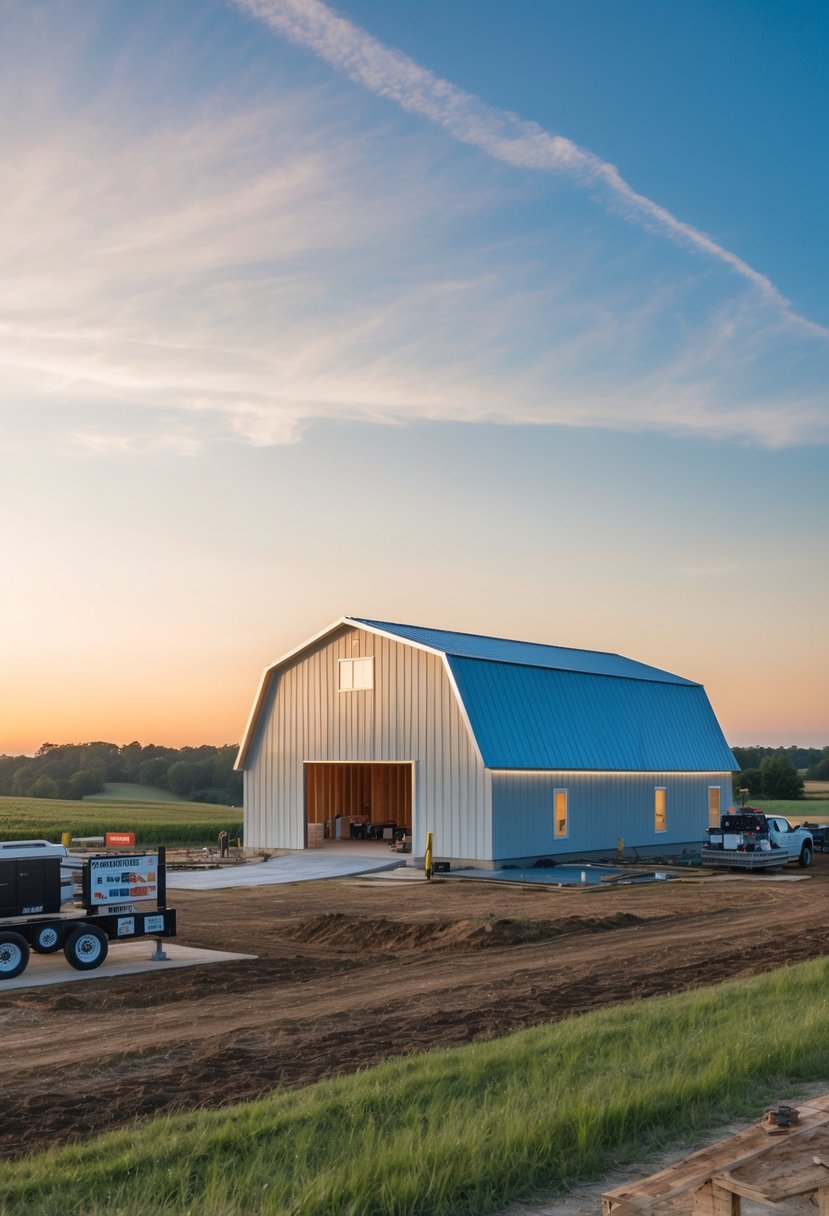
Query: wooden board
(725, 1157)
(786, 1170)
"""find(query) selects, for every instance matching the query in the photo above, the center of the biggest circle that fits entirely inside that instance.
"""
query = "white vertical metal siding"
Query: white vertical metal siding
(601, 808)
(411, 714)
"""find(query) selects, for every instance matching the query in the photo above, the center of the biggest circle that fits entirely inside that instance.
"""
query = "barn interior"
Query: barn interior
(359, 801)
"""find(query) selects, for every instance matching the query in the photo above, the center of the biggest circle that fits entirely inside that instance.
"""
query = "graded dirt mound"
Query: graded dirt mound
(341, 930)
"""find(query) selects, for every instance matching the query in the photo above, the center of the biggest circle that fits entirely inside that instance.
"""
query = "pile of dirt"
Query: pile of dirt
(387, 935)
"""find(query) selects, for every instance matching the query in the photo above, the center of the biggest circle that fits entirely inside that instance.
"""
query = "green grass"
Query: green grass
(153, 822)
(125, 791)
(461, 1132)
(796, 810)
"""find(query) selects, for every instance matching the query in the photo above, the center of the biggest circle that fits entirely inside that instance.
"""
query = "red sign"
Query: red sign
(120, 838)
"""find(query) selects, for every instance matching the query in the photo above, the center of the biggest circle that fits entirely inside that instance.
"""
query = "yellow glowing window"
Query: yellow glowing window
(713, 806)
(560, 813)
(356, 674)
(660, 809)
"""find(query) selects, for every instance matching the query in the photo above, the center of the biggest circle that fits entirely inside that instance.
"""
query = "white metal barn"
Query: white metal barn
(504, 750)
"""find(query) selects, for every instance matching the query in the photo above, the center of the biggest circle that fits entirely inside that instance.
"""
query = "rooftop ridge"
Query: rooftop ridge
(453, 644)
(486, 637)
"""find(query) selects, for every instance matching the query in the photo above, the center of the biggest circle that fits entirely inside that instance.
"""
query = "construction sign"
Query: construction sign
(122, 880)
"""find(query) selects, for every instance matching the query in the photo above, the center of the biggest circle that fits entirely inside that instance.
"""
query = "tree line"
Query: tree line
(773, 772)
(72, 770)
(205, 773)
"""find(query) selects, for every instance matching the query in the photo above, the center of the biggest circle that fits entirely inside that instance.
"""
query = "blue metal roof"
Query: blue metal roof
(524, 717)
(549, 707)
(530, 654)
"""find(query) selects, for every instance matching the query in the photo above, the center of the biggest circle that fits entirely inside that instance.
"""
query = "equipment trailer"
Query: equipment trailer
(123, 895)
(750, 840)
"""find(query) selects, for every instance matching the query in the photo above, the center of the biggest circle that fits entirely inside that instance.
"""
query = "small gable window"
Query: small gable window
(356, 674)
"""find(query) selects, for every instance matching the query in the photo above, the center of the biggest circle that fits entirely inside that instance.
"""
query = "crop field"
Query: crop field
(399, 1047)
(185, 823)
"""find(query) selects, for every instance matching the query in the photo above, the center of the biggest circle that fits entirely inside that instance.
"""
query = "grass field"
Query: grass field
(168, 823)
(125, 791)
(797, 810)
(464, 1131)
(814, 806)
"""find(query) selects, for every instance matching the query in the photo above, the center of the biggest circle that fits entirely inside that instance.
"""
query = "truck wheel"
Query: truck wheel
(14, 955)
(46, 940)
(805, 858)
(86, 948)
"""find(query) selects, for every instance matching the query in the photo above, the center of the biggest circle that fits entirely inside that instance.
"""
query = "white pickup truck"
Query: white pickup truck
(749, 840)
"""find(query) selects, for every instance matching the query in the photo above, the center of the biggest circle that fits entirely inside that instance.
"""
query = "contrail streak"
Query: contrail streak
(503, 136)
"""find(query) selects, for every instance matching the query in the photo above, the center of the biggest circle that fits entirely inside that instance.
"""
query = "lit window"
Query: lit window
(560, 813)
(356, 674)
(713, 806)
(660, 809)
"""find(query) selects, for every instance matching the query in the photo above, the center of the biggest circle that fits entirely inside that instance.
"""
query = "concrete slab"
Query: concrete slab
(124, 958)
(308, 866)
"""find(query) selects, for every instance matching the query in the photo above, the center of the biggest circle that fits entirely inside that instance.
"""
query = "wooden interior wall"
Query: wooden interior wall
(380, 792)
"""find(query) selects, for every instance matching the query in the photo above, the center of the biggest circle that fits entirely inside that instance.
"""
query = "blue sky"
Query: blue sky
(507, 317)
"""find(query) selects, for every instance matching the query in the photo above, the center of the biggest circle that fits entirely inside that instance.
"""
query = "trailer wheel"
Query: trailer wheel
(805, 858)
(14, 955)
(86, 948)
(46, 940)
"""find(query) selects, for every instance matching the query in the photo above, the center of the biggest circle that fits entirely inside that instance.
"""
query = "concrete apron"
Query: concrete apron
(306, 866)
(124, 958)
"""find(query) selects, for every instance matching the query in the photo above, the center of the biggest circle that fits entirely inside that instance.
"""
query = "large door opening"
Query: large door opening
(358, 801)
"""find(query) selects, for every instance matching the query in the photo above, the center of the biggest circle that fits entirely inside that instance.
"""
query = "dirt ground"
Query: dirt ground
(352, 972)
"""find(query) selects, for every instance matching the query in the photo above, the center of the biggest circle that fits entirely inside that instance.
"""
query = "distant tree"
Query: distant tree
(224, 778)
(102, 756)
(750, 779)
(780, 777)
(84, 781)
(154, 771)
(22, 781)
(201, 774)
(180, 778)
(235, 789)
(819, 771)
(804, 757)
(45, 787)
(131, 757)
(8, 767)
(751, 757)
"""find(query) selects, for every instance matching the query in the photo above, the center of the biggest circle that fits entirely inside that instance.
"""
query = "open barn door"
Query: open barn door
(358, 801)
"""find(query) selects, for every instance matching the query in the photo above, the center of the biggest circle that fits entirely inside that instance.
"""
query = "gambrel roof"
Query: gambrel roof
(532, 706)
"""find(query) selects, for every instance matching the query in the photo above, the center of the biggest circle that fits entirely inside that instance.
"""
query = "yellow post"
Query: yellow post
(620, 848)
(66, 839)
(428, 859)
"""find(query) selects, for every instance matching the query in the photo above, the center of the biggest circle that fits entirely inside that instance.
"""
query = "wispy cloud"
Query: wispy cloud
(191, 266)
(389, 73)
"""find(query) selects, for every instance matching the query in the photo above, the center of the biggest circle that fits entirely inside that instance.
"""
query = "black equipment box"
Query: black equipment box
(29, 885)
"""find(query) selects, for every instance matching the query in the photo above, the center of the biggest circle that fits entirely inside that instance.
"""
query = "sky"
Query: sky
(499, 316)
